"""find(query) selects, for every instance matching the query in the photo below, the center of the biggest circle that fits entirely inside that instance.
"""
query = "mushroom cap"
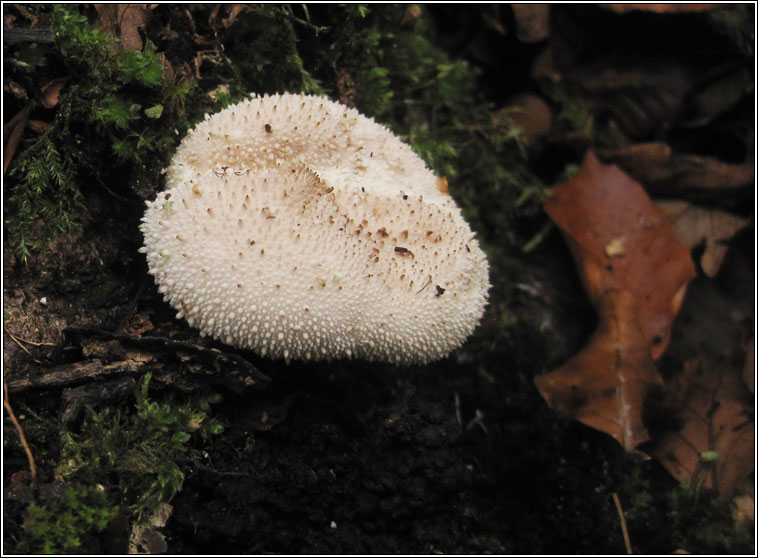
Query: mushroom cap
(298, 228)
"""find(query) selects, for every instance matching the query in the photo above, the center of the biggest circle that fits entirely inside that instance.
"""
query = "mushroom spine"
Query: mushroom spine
(294, 226)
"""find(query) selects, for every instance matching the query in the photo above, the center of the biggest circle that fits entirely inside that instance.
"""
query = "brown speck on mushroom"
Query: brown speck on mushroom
(442, 184)
(404, 252)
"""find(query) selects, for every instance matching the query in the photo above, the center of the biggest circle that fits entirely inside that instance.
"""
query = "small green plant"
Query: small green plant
(68, 524)
(143, 453)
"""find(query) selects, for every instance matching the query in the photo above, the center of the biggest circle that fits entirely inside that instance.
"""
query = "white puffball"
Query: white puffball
(298, 228)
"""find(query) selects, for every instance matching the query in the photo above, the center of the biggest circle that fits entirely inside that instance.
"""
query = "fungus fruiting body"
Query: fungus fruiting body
(299, 228)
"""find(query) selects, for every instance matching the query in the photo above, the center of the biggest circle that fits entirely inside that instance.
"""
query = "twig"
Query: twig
(224, 473)
(112, 193)
(21, 437)
(30, 342)
(228, 357)
(627, 543)
(67, 374)
(286, 11)
(18, 342)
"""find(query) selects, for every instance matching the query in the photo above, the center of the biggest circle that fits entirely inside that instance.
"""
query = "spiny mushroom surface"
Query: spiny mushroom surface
(298, 228)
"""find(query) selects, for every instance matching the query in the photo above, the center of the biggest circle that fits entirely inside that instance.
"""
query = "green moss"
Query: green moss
(696, 519)
(100, 132)
(45, 189)
(69, 524)
(140, 454)
(703, 524)
(263, 48)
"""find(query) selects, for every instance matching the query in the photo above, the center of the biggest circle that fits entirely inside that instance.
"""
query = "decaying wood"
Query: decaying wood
(67, 374)
(76, 398)
(234, 371)
(12, 35)
(232, 361)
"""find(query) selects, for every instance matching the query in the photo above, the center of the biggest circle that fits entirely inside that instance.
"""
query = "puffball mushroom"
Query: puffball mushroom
(297, 227)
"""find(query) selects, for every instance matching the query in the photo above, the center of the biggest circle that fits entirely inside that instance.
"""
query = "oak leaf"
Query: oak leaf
(622, 241)
(605, 384)
(715, 444)
(635, 273)
(124, 22)
(702, 420)
(693, 225)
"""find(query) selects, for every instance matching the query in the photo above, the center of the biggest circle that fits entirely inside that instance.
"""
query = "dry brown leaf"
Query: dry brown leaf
(622, 241)
(51, 91)
(744, 503)
(660, 8)
(223, 15)
(12, 132)
(168, 69)
(604, 386)
(748, 372)
(16, 90)
(492, 18)
(635, 273)
(411, 15)
(38, 126)
(693, 225)
(716, 410)
(138, 324)
(702, 420)
(529, 112)
(656, 165)
(123, 21)
(532, 22)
